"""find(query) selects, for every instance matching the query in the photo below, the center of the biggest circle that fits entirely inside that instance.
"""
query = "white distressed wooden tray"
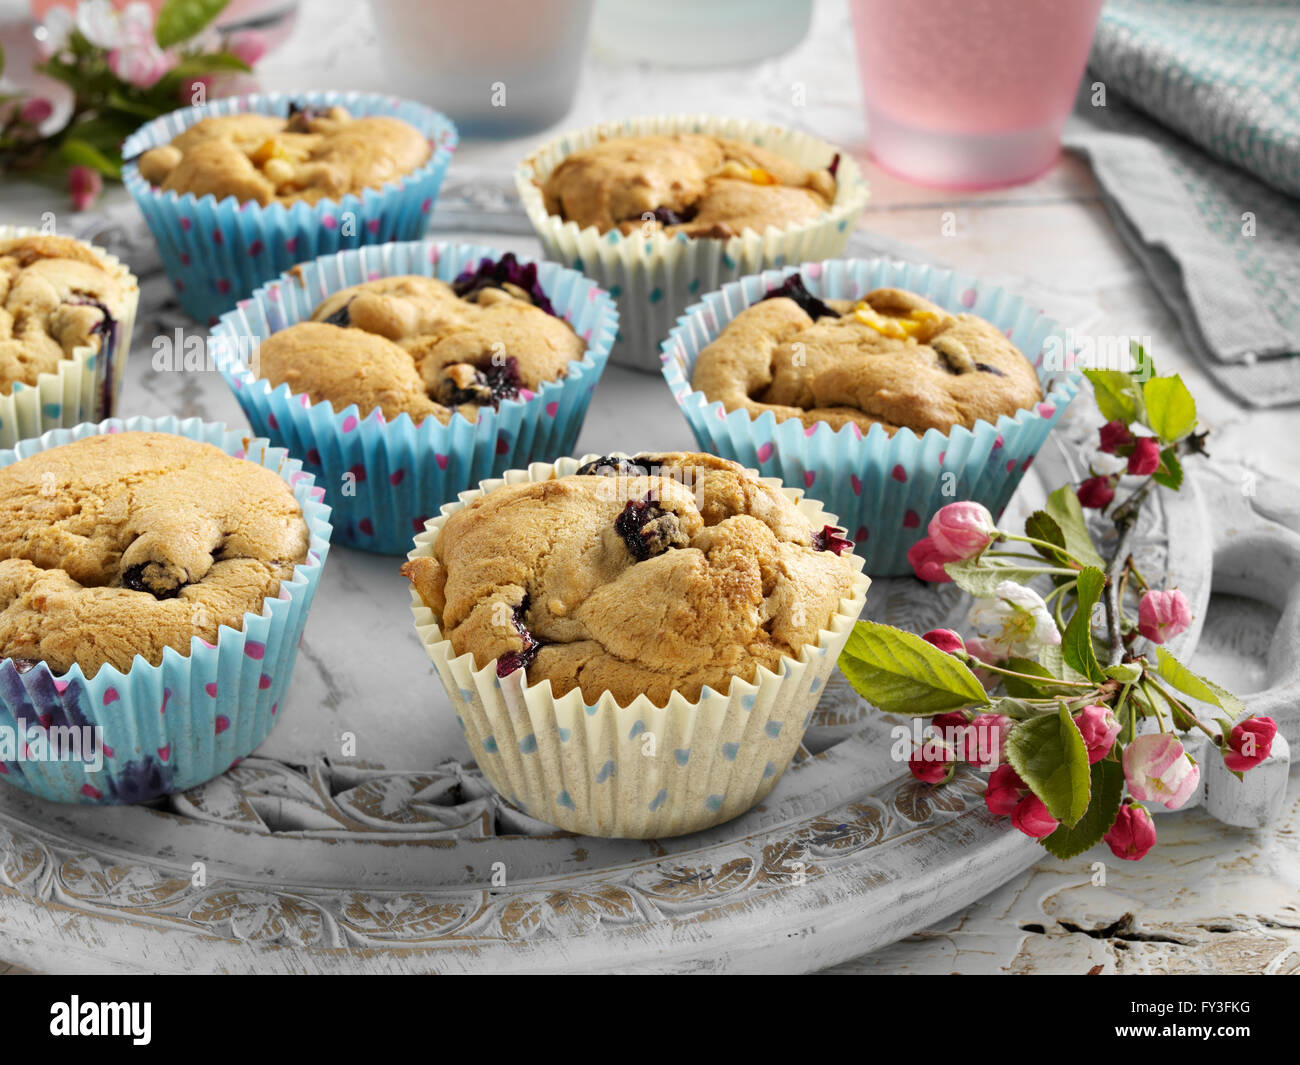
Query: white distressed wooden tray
(356, 840)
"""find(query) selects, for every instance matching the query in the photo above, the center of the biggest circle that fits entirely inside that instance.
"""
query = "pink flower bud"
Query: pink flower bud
(962, 530)
(1099, 727)
(1115, 435)
(1249, 743)
(84, 186)
(248, 45)
(953, 720)
(1145, 458)
(1096, 493)
(35, 110)
(933, 762)
(927, 561)
(980, 651)
(1032, 818)
(1158, 769)
(1132, 834)
(945, 640)
(1163, 615)
(1004, 791)
(984, 744)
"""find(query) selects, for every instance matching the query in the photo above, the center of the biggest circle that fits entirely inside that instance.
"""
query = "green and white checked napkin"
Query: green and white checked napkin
(1197, 151)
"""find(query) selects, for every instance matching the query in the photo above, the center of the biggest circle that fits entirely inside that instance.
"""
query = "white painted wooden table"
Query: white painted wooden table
(1209, 898)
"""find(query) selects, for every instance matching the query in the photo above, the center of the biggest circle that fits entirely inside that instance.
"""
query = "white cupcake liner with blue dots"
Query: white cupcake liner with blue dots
(216, 253)
(655, 279)
(172, 726)
(638, 771)
(884, 488)
(386, 479)
(85, 387)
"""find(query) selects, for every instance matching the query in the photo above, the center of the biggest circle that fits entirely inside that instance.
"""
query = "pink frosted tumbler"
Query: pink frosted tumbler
(970, 93)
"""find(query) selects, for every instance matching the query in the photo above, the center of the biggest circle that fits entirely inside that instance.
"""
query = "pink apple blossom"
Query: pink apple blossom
(962, 530)
(1158, 769)
(84, 187)
(1014, 622)
(1163, 615)
(1132, 834)
(1099, 727)
(1249, 743)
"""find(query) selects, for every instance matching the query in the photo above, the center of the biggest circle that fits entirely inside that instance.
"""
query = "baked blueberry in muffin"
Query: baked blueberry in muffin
(128, 543)
(306, 156)
(892, 359)
(56, 296)
(420, 346)
(689, 183)
(654, 574)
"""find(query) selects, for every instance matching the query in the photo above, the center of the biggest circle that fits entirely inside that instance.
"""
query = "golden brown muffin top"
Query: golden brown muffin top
(689, 183)
(310, 155)
(411, 345)
(892, 359)
(646, 576)
(127, 543)
(56, 295)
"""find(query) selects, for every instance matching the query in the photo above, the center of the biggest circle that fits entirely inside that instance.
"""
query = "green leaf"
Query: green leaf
(1064, 508)
(1076, 642)
(1196, 686)
(1116, 394)
(1144, 366)
(1050, 656)
(1016, 709)
(1042, 526)
(1170, 473)
(1171, 410)
(1106, 793)
(902, 674)
(981, 577)
(1051, 757)
(76, 152)
(195, 66)
(2, 59)
(1124, 672)
(179, 20)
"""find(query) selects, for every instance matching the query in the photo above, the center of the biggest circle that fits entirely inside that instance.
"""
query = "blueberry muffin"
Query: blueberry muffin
(420, 346)
(648, 575)
(56, 295)
(309, 156)
(128, 543)
(689, 183)
(892, 359)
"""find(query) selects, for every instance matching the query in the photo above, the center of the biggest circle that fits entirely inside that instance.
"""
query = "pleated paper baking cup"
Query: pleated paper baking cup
(655, 279)
(85, 387)
(884, 488)
(169, 727)
(385, 479)
(637, 771)
(216, 253)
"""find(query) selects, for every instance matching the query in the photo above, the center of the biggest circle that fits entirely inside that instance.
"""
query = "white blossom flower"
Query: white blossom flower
(1015, 622)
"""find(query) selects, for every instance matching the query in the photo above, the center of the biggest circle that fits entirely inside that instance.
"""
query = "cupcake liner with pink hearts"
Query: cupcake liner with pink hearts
(654, 279)
(82, 388)
(385, 479)
(216, 253)
(172, 726)
(884, 488)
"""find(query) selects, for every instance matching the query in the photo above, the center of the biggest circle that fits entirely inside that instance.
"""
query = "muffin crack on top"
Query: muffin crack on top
(420, 346)
(648, 575)
(687, 183)
(56, 296)
(127, 543)
(309, 155)
(892, 359)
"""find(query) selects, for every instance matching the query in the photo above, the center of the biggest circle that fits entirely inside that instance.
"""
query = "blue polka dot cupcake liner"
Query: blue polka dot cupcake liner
(85, 387)
(386, 479)
(884, 488)
(655, 278)
(216, 253)
(638, 771)
(165, 728)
